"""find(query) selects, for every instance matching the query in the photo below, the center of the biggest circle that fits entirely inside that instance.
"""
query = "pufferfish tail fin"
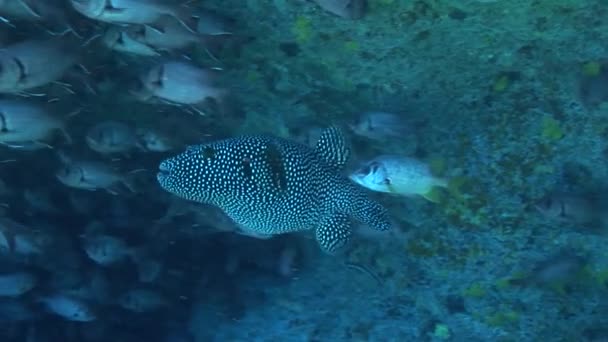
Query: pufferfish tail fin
(333, 147)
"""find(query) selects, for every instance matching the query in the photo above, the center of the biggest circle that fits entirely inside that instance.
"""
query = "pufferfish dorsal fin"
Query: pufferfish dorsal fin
(333, 148)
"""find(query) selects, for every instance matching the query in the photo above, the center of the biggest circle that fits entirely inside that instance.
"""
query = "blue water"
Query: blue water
(506, 100)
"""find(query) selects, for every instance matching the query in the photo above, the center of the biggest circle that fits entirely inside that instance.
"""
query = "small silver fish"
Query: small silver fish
(106, 250)
(557, 269)
(351, 9)
(381, 126)
(398, 175)
(69, 307)
(34, 63)
(569, 208)
(182, 82)
(16, 284)
(17, 239)
(131, 11)
(112, 137)
(24, 122)
(90, 175)
(167, 34)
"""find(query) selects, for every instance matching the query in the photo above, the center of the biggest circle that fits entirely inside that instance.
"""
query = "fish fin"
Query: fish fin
(390, 187)
(43, 144)
(26, 145)
(333, 147)
(156, 27)
(113, 9)
(112, 192)
(28, 7)
(254, 235)
(435, 195)
(334, 233)
(128, 183)
(11, 240)
(129, 180)
(185, 17)
(210, 54)
(64, 158)
(458, 185)
(10, 144)
(365, 270)
(441, 182)
(7, 22)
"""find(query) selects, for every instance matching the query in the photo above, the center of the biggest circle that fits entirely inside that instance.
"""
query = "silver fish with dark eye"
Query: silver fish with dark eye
(34, 63)
(112, 137)
(106, 250)
(19, 240)
(133, 11)
(570, 208)
(381, 126)
(390, 131)
(182, 83)
(90, 175)
(167, 34)
(28, 125)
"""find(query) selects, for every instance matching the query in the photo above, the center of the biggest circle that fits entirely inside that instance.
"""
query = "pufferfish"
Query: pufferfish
(270, 186)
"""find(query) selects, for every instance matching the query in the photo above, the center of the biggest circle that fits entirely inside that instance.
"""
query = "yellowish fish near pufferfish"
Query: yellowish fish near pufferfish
(399, 175)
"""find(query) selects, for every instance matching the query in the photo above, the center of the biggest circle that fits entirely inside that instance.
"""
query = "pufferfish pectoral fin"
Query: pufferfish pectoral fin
(334, 233)
(333, 148)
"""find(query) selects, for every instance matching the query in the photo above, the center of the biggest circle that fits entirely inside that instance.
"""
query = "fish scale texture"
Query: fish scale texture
(270, 186)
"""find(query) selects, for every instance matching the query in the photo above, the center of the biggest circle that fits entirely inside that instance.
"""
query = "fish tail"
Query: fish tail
(442, 182)
(129, 184)
(435, 194)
